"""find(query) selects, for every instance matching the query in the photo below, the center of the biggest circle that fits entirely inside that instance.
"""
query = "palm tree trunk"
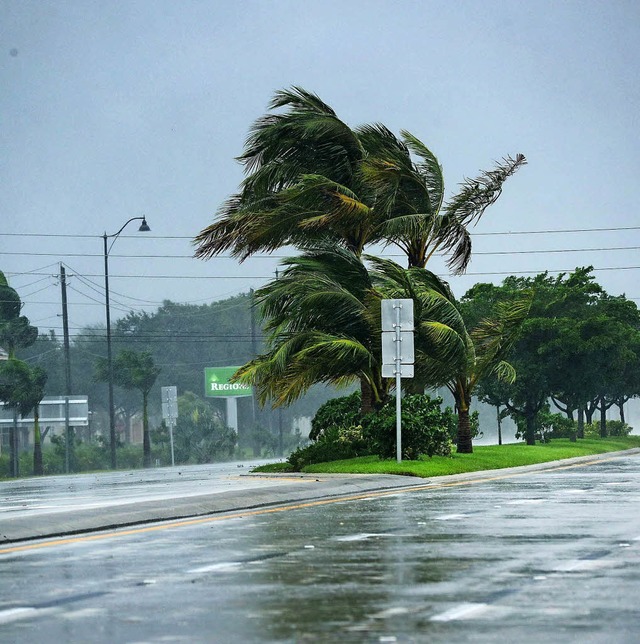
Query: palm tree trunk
(366, 391)
(37, 444)
(146, 438)
(465, 445)
(499, 425)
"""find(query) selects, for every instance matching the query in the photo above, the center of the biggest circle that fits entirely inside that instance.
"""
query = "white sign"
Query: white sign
(390, 347)
(390, 371)
(169, 403)
(397, 352)
(396, 312)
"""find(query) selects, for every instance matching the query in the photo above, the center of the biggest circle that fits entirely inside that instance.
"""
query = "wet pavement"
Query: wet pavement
(61, 505)
(504, 556)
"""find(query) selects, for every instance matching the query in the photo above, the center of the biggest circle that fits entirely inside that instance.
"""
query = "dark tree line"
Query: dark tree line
(579, 348)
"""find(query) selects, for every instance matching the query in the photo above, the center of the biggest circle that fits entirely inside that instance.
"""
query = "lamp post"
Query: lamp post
(144, 228)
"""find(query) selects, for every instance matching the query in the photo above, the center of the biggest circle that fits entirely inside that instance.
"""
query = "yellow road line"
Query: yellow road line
(284, 508)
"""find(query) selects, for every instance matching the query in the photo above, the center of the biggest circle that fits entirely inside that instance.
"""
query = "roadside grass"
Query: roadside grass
(484, 457)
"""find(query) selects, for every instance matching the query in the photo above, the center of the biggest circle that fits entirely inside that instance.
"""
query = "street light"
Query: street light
(144, 228)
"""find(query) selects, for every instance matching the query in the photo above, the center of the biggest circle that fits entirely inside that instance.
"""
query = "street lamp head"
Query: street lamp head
(144, 226)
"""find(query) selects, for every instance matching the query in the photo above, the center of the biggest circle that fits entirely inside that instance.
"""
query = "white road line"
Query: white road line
(16, 614)
(462, 611)
(583, 564)
(525, 501)
(363, 536)
(217, 567)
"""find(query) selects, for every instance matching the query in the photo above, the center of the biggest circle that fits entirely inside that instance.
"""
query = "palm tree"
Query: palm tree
(487, 346)
(447, 352)
(31, 400)
(134, 370)
(311, 178)
(323, 320)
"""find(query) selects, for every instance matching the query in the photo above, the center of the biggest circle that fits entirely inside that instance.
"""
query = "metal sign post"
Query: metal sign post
(170, 412)
(397, 352)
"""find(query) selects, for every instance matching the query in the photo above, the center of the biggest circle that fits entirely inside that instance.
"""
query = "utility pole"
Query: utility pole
(67, 368)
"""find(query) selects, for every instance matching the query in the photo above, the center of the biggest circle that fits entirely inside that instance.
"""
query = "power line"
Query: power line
(189, 237)
(267, 276)
(162, 277)
(274, 256)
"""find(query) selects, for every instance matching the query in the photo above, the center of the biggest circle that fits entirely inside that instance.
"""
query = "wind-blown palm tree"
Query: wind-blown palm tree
(311, 178)
(489, 343)
(323, 323)
(323, 320)
(447, 352)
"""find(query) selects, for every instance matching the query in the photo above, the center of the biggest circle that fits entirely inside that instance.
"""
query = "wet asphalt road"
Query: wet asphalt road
(547, 555)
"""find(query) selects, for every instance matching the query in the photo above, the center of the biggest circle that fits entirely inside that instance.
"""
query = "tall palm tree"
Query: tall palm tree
(487, 346)
(447, 352)
(323, 320)
(310, 177)
(322, 317)
(323, 323)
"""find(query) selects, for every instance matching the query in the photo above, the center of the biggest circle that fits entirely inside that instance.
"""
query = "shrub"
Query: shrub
(334, 444)
(614, 428)
(337, 412)
(425, 428)
(339, 431)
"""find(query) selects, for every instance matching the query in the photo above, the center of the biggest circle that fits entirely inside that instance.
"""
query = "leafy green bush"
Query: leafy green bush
(557, 426)
(337, 412)
(334, 444)
(614, 428)
(426, 429)
(339, 431)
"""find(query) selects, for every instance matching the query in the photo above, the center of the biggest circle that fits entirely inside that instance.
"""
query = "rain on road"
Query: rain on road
(542, 555)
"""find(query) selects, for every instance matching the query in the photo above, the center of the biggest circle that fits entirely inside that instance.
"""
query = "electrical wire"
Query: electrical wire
(277, 256)
(505, 232)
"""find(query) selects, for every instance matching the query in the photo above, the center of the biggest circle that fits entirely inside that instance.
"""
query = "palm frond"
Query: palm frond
(476, 195)
(505, 372)
(429, 168)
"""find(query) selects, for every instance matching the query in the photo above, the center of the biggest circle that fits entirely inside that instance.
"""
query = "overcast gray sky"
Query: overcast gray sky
(111, 110)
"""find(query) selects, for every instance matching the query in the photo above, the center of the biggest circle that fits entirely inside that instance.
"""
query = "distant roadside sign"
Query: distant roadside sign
(169, 403)
(52, 412)
(217, 383)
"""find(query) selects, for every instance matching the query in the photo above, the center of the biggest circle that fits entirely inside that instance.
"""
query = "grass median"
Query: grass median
(484, 457)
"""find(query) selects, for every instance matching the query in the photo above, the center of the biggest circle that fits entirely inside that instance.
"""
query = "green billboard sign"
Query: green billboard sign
(217, 385)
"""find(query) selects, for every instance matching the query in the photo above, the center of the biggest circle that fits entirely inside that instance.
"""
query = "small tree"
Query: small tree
(15, 332)
(134, 370)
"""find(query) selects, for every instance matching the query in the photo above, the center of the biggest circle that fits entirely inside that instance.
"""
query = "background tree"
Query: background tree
(15, 332)
(134, 370)
(201, 435)
(577, 348)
